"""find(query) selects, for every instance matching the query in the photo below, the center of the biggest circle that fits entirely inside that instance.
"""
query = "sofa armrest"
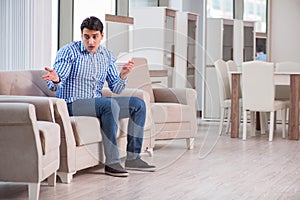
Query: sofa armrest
(68, 144)
(43, 105)
(185, 96)
(127, 92)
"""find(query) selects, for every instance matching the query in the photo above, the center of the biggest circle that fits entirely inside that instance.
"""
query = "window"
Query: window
(84, 9)
(255, 10)
(220, 9)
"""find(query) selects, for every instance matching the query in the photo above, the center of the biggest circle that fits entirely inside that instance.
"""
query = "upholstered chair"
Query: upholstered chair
(172, 111)
(29, 148)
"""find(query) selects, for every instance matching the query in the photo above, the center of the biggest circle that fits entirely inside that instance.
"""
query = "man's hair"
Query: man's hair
(92, 23)
(260, 49)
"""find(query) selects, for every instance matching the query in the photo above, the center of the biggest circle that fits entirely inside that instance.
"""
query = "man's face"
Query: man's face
(91, 39)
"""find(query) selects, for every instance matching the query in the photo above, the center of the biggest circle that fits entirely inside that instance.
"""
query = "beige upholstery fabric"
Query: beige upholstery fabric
(86, 130)
(80, 147)
(172, 111)
(29, 149)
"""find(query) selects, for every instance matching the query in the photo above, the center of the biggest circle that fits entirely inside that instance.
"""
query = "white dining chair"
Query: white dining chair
(224, 94)
(259, 94)
(231, 67)
(223, 78)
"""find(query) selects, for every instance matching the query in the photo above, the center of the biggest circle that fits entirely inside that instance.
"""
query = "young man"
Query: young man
(78, 75)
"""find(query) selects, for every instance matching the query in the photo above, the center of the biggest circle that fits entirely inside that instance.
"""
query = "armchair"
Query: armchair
(172, 111)
(29, 149)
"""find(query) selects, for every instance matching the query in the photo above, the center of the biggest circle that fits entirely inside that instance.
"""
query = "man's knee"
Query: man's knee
(107, 105)
(138, 103)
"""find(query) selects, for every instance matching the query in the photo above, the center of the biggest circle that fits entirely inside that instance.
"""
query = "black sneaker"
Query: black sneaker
(115, 170)
(139, 164)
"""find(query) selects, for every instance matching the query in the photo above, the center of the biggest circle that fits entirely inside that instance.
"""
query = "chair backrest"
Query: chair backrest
(139, 77)
(231, 67)
(258, 85)
(223, 80)
(287, 66)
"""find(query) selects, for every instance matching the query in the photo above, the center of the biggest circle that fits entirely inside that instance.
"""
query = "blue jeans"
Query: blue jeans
(108, 111)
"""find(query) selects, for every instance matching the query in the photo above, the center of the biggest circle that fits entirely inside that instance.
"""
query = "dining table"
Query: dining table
(291, 79)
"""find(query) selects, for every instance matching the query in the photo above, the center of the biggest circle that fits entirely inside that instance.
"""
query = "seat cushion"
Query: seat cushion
(50, 135)
(171, 112)
(86, 130)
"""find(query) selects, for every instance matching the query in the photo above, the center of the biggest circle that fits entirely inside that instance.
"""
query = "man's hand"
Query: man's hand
(52, 75)
(126, 69)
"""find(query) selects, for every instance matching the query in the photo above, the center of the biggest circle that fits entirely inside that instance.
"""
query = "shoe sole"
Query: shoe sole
(141, 169)
(117, 174)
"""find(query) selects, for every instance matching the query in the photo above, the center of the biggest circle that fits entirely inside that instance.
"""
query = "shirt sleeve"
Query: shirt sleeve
(62, 67)
(115, 83)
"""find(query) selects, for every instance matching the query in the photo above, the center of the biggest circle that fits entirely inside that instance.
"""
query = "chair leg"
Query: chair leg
(52, 179)
(228, 120)
(190, 143)
(65, 177)
(221, 120)
(245, 125)
(283, 116)
(34, 191)
(263, 122)
(252, 122)
(150, 151)
(271, 132)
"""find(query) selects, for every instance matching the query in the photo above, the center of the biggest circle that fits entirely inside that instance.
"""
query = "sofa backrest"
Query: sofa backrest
(140, 77)
(25, 83)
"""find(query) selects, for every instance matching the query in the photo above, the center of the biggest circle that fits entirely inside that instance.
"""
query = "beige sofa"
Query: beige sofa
(29, 147)
(80, 136)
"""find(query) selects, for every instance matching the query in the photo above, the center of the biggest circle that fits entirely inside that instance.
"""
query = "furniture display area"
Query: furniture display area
(172, 110)
(291, 79)
(79, 148)
(227, 39)
(29, 144)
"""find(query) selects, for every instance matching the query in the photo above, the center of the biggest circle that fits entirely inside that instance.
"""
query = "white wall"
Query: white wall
(284, 30)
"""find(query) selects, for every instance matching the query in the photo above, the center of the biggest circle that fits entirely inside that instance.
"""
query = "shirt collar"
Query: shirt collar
(83, 49)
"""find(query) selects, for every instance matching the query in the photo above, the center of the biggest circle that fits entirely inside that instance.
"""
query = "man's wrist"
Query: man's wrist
(57, 81)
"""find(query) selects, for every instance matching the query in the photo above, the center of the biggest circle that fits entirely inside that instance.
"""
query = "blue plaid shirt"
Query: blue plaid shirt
(83, 74)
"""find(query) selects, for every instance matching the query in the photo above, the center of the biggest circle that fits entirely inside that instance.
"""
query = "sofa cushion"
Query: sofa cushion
(170, 112)
(86, 130)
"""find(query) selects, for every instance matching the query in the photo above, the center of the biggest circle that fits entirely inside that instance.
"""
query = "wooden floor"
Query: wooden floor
(217, 168)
